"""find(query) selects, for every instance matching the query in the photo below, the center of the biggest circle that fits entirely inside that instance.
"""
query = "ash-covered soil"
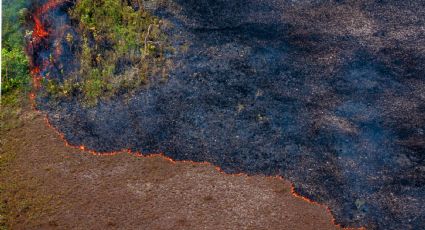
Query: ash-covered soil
(47, 185)
(328, 94)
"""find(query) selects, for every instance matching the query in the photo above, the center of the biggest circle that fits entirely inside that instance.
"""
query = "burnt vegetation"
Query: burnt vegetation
(328, 94)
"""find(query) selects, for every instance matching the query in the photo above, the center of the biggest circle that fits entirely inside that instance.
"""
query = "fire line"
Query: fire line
(40, 33)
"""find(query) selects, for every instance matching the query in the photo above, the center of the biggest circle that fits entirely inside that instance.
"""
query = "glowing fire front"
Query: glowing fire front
(39, 30)
(40, 33)
(39, 45)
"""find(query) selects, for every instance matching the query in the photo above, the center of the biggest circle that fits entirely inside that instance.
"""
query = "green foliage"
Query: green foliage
(112, 32)
(118, 24)
(12, 32)
(110, 22)
(15, 72)
(93, 87)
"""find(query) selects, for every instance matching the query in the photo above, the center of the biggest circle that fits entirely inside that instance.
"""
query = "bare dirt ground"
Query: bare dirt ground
(46, 185)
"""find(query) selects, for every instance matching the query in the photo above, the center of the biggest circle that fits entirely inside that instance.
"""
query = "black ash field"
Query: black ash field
(327, 94)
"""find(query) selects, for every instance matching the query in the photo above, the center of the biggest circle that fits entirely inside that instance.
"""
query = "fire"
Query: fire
(163, 156)
(39, 30)
(50, 5)
(36, 78)
(35, 70)
(39, 33)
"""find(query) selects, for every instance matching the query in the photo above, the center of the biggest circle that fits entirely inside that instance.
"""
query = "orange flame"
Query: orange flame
(49, 5)
(36, 78)
(161, 155)
(40, 32)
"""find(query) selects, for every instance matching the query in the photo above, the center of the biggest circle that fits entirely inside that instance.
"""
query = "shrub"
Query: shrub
(15, 71)
(120, 50)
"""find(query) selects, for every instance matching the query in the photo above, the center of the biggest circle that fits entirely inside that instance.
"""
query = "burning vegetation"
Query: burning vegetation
(328, 94)
(94, 50)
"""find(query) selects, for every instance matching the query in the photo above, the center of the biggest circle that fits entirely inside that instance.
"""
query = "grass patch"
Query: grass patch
(22, 202)
(11, 109)
(121, 50)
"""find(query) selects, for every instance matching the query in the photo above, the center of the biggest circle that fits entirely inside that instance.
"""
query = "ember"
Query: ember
(332, 103)
(39, 31)
(45, 47)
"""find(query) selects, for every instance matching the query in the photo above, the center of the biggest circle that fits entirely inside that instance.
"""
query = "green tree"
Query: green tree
(15, 71)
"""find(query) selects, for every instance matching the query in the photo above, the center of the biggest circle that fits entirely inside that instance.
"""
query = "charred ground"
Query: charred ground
(328, 94)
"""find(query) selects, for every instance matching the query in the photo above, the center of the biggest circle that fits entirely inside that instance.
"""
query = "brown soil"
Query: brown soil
(46, 185)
